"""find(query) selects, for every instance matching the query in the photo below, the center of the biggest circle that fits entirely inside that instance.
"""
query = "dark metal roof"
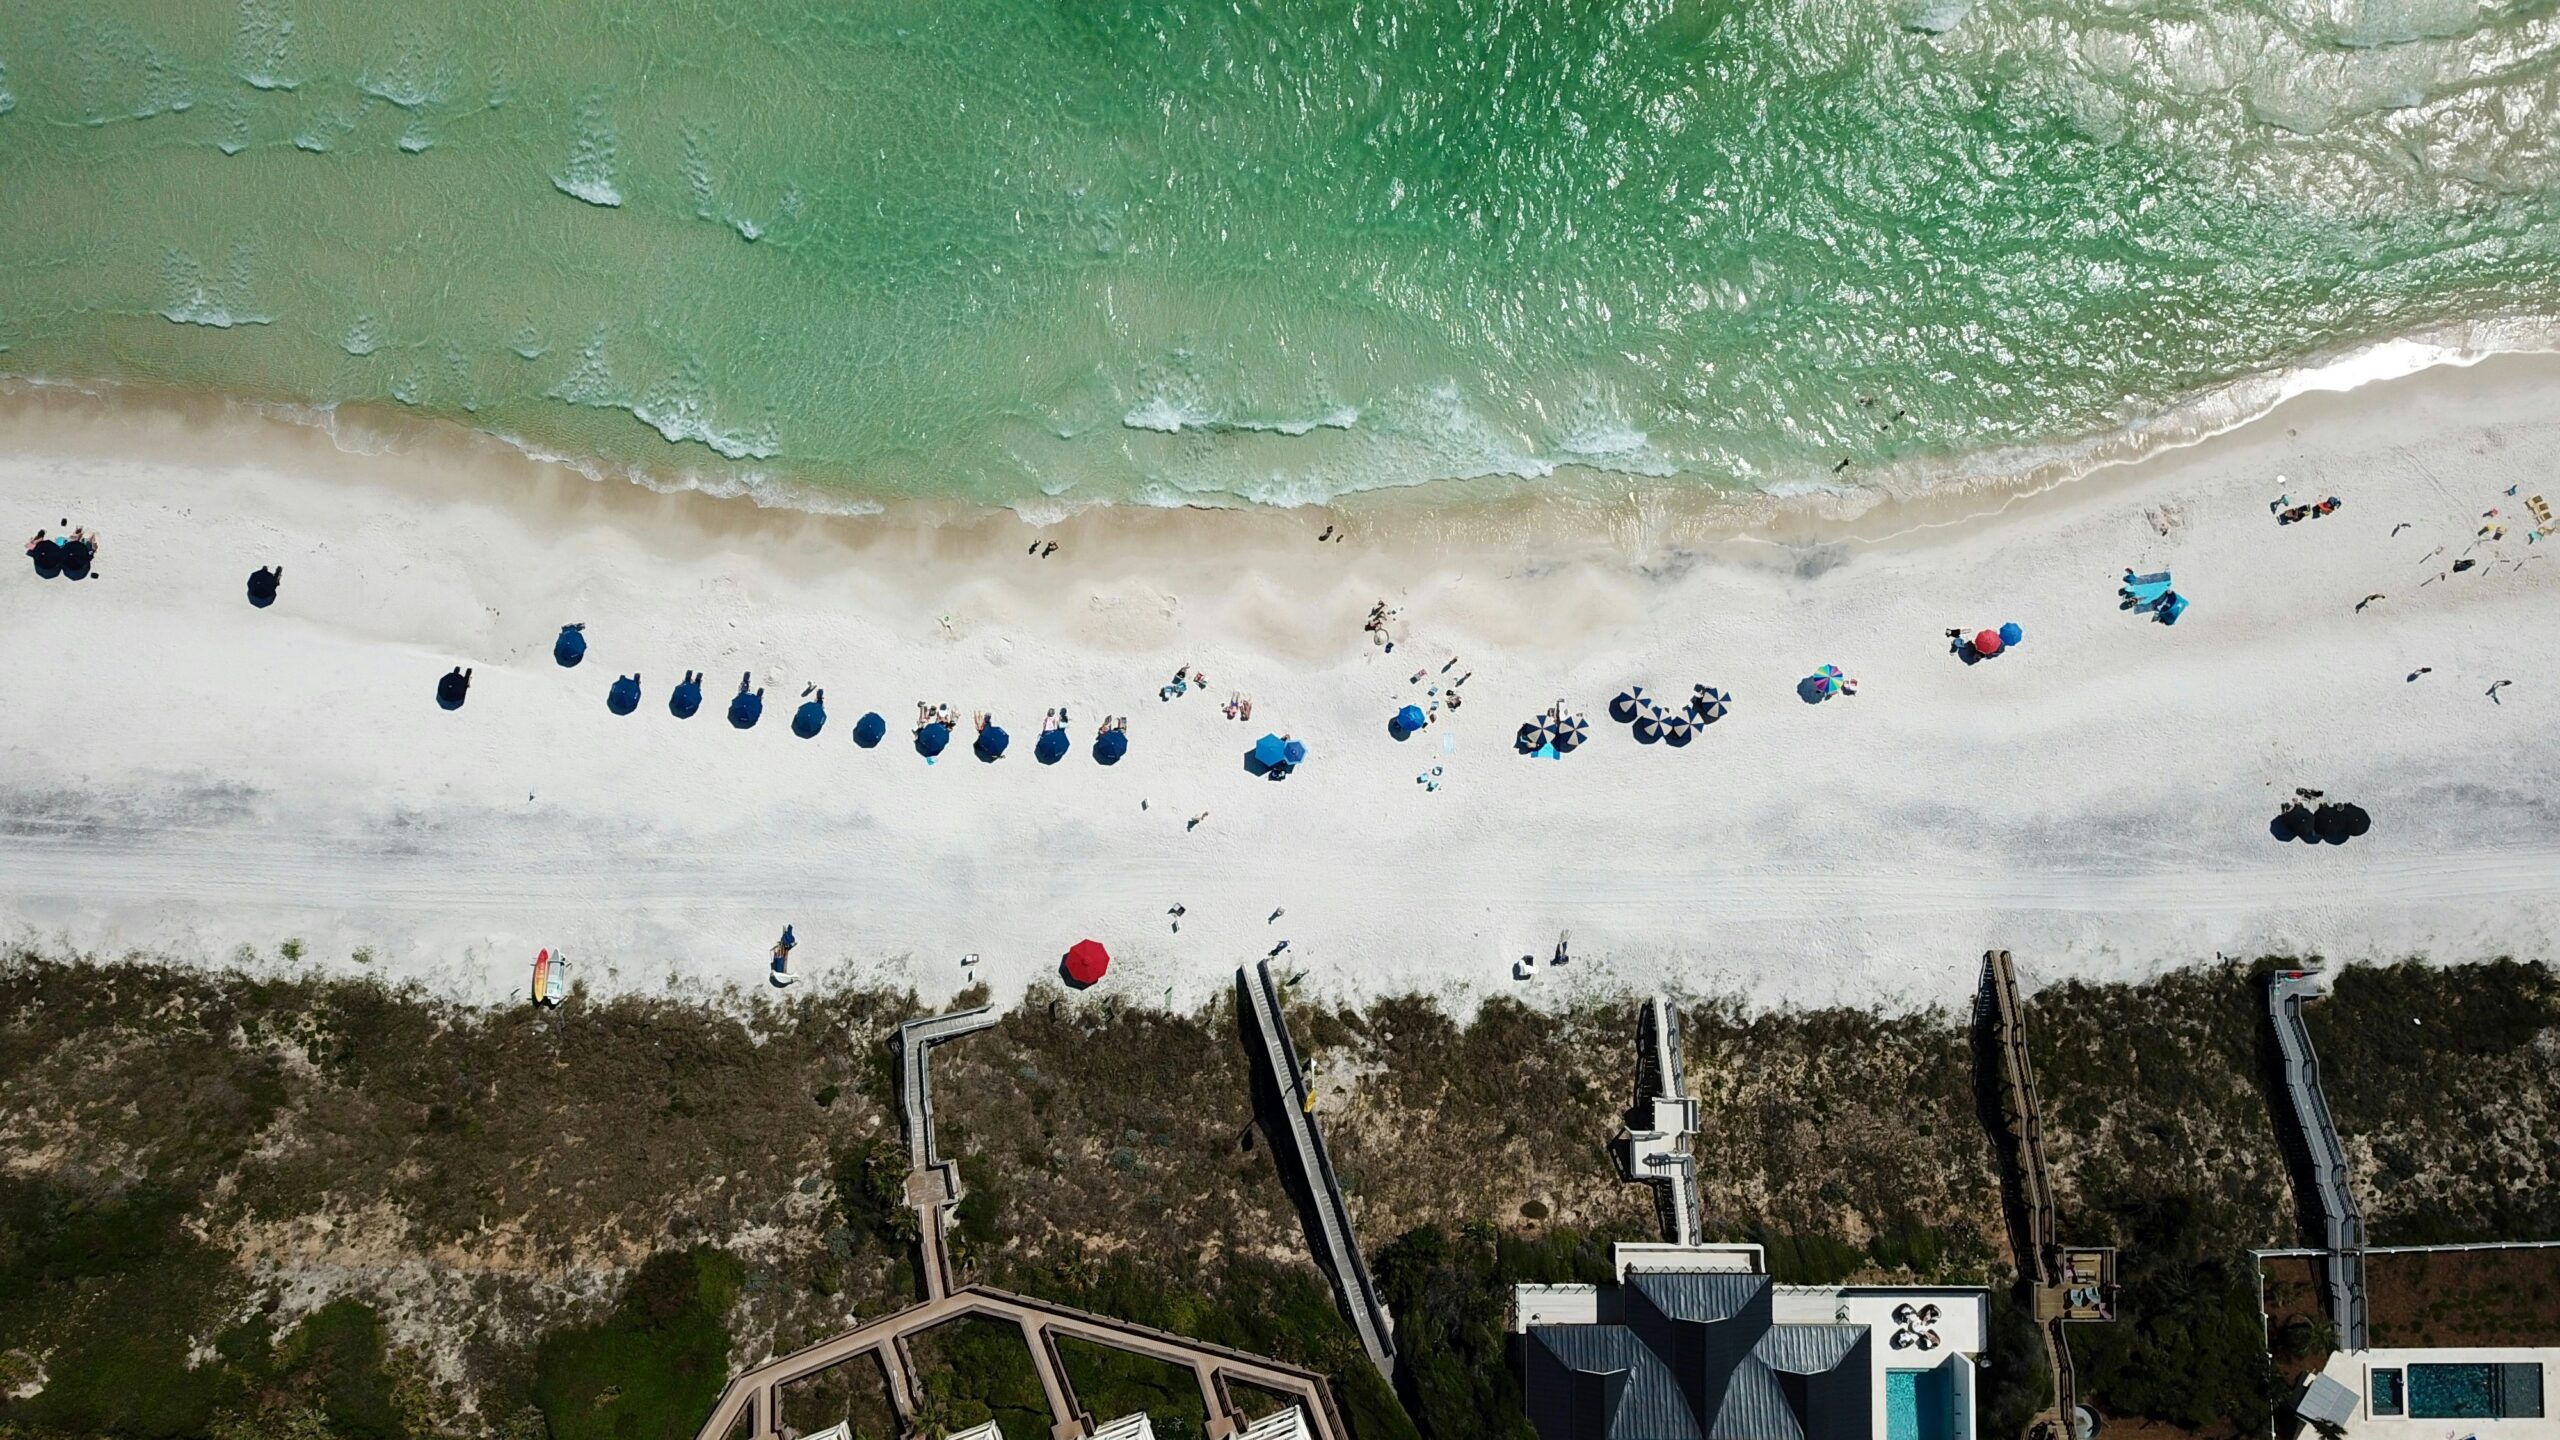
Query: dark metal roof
(1700, 1359)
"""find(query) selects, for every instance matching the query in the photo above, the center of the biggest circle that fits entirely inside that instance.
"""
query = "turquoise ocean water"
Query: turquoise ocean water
(1026, 252)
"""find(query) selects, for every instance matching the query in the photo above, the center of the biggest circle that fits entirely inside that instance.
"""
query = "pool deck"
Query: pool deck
(2354, 1369)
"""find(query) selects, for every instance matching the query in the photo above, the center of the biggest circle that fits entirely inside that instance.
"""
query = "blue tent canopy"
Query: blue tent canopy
(1110, 746)
(991, 742)
(868, 730)
(931, 739)
(1295, 752)
(1270, 750)
(809, 720)
(686, 699)
(571, 647)
(1051, 748)
(1411, 718)
(624, 697)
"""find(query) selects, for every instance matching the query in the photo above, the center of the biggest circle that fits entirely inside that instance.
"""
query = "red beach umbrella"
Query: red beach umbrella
(1086, 961)
(1987, 643)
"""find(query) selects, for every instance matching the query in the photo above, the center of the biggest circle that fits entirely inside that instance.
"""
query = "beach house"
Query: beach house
(1697, 1342)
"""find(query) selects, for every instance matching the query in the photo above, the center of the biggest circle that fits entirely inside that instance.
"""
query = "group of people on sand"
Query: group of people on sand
(1056, 719)
(1183, 680)
(942, 715)
(1380, 626)
(73, 552)
(2288, 513)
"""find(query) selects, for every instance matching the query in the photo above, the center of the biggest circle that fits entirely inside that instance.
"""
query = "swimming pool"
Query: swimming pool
(1916, 1403)
(2474, 1391)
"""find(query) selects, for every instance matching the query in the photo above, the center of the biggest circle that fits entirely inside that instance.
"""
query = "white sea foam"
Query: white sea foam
(262, 46)
(686, 417)
(363, 337)
(592, 156)
(1167, 416)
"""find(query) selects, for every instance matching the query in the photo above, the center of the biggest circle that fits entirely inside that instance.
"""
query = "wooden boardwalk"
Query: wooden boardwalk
(2039, 1258)
(750, 1409)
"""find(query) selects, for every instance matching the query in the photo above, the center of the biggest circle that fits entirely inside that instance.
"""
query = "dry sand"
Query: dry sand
(181, 773)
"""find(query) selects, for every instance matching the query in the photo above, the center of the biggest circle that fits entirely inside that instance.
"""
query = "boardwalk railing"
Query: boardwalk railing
(1997, 1008)
(2341, 1222)
(1338, 1251)
(1662, 1081)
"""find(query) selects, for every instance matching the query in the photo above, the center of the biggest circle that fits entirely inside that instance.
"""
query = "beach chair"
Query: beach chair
(2156, 577)
(2146, 593)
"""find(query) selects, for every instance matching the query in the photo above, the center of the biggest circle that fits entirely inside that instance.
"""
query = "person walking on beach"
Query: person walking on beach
(1195, 822)
(2369, 599)
(2495, 688)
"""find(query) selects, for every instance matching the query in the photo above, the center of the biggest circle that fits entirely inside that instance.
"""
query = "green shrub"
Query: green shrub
(653, 1368)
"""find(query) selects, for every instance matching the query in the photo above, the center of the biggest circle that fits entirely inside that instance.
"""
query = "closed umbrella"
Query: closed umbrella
(1295, 752)
(869, 730)
(1270, 750)
(931, 739)
(1628, 705)
(1709, 705)
(1678, 729)
(2010, 634)
(991, 742)
(1110, 746)
(1051, 747)
(1087, 961)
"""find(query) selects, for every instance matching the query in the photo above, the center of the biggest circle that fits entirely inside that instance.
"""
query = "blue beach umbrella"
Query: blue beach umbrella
(868, 730)
(1109, 746)
(746, 708)
(686, 700)
(1270, 750)
(571, 647)
(931, 739)
(1295, 752)
(1628, 705)
(991, 742)
(1649, 726)
(1709, 704)
(810, 718)
(1411, 718)
(624, 697)
(1051, 748)
(2010, 634)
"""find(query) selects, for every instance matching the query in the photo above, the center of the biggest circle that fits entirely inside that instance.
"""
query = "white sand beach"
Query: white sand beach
(183, 773)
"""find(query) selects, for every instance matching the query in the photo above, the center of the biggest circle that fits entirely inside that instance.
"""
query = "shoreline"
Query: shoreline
(1900, 504)
(2098, 801)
